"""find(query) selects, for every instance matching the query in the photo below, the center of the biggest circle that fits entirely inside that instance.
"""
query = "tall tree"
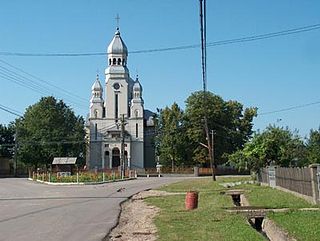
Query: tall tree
(49, 129)
(6, 140)
(276, 145)
(231, 124)
(313, 147)
(172, 139)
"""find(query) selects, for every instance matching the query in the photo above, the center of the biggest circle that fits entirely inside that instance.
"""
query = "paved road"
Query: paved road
(34, 211)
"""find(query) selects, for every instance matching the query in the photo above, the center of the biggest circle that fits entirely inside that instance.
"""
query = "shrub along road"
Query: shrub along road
(34, 211)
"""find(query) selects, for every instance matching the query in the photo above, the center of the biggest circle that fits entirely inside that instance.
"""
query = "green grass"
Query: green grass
(201, 185)
(272, 198)
(303, 225)
(211, 221)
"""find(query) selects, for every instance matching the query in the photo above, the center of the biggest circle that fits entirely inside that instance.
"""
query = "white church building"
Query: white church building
(122, 99)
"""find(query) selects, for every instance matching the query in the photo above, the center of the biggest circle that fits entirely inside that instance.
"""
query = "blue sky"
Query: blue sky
(270, 74)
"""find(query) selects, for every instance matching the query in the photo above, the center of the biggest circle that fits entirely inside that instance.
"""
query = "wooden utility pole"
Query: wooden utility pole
(15, 166)
(122, 157)
(212, 165)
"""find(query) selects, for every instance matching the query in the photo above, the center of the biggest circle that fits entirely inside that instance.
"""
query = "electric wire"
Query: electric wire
(286, 32)
(9, 110)
(289, 108)
(46, 82)
(31, 84)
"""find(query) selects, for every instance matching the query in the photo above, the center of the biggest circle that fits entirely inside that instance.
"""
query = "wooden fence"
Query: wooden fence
(295, 179)
(304, 180)
(203, 171)
(263, 175)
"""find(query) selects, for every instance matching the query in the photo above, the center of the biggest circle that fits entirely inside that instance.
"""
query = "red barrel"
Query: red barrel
(191, 200)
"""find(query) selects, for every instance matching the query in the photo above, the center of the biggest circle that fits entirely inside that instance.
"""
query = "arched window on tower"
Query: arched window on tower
(114, 61)
(124, 62)
(119, 61)
(96, 112)
(109, 61)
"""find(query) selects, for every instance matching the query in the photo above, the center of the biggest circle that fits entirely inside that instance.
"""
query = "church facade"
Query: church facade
(117, 118)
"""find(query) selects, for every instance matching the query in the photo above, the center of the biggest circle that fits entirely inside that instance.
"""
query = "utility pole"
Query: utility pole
(122, 157)
(212, 156)
(15, 166)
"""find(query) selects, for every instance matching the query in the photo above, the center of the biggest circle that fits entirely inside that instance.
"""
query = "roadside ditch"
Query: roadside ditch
(257, 217)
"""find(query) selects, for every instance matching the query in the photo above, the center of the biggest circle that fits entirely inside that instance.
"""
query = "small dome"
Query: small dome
(117, 46)
(96, 85)
(137, 85)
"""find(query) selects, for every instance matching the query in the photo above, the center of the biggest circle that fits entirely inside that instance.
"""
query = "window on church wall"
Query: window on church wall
(137, 130)
(109, 61)
(124, 62)
(114, 61)
(116, 135)
(119, 61)
(116, 106)
(96, 112)
(95, 131)
(136, 113)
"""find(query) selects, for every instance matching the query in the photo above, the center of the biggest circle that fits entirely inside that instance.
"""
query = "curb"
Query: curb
(81, 183)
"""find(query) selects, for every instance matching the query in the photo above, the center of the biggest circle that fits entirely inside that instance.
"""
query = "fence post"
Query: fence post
(196, 171)
(314, 170)
(77, 177)
(272, 176)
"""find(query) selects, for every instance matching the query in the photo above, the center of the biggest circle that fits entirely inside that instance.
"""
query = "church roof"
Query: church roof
(117, 46)
(137, 85)
(64, 160)
(96, 85)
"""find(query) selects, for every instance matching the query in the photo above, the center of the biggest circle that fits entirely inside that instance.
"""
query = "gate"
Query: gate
(272, 176)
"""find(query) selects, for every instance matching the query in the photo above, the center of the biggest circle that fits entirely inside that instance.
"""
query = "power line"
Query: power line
(44, 81)
(36, 82)
(292, 31)
(32, 84)
(22, 82)
(289, 108)
(9, 110)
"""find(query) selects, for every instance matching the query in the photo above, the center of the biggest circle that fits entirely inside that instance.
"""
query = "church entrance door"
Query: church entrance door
(115, 157)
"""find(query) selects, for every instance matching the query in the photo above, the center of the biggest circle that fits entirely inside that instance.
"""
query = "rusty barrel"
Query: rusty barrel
(191, 200)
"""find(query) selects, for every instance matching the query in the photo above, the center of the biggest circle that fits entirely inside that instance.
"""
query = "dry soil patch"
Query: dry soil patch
(136, 218)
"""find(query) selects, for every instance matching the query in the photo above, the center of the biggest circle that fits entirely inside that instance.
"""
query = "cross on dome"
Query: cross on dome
(118, 20)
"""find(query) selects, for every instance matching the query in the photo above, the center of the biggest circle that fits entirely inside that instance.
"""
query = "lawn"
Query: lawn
(303, 225)
(211, 221)
(272, 198)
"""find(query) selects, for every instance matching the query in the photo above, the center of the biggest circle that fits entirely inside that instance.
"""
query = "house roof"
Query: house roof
(64, 160)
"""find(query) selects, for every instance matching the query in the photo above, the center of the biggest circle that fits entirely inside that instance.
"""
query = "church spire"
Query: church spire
(117, 50)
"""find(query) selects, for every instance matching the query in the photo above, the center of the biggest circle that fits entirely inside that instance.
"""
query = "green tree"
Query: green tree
(276, 145)
(171, 140)
(49, 129)
(313, 147)
(232, 125)
(7, 140)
